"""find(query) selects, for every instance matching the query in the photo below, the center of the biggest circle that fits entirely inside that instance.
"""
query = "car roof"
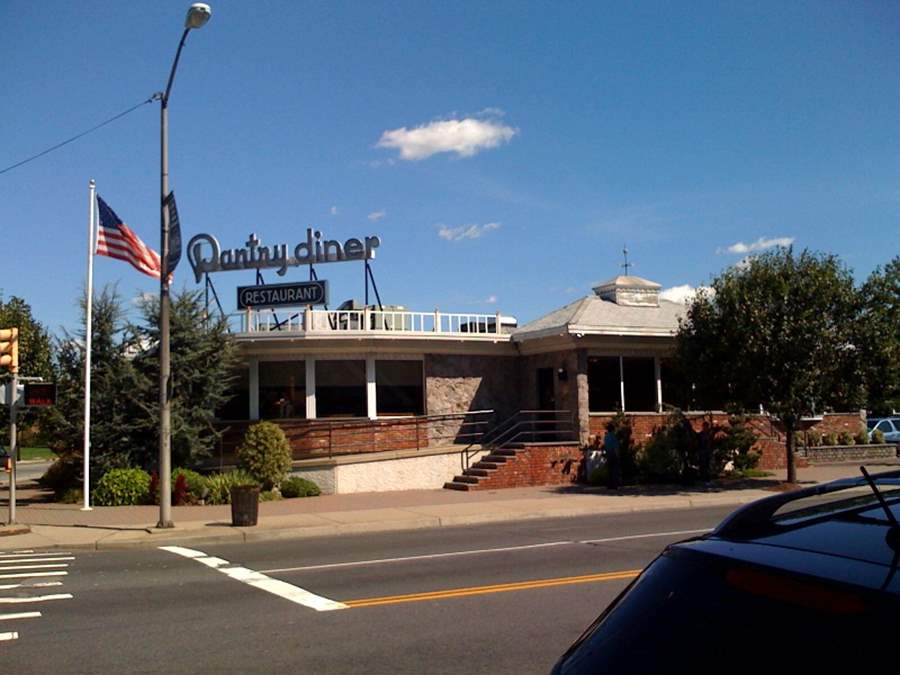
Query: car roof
(842, 530)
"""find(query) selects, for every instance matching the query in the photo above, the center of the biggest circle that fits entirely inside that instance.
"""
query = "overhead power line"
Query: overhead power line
(76, 137)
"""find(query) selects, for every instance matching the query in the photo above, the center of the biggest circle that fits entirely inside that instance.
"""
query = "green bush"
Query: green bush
(60, 476)
(878, 436)
(72, 496)
(219, 485)
(197, 485)
(845, 438)
(861, 438)
(829, 438)
(266, 454)
(269, 496)
(735, 444)
(658, 460)
(295, 486)
(620, 425)
(599, 476)
(814, 438)
(123, 487)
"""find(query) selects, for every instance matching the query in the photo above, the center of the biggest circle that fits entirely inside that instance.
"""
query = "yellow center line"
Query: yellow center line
(493, 588)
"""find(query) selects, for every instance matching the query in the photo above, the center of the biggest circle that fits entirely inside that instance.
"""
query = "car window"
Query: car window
(885, 426)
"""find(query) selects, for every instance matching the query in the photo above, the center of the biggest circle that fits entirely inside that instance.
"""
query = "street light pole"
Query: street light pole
(197, 16)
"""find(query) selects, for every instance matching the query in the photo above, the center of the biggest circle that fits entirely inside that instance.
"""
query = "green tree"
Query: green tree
(776, 331)
(35, 355)
(113, 383)
(204, 360)
(878, 337)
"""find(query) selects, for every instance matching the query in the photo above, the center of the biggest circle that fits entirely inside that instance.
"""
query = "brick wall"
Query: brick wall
(536, 465)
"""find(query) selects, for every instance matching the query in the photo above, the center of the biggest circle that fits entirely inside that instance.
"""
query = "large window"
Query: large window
(398, 388)
(676, 388)
(340, 388)
(640, 384)
(603, 384)
(282, 389)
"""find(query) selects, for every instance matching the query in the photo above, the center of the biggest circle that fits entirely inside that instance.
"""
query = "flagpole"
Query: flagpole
(88, 321)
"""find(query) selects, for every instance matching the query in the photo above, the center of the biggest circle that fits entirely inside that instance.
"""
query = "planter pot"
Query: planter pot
(244, 505)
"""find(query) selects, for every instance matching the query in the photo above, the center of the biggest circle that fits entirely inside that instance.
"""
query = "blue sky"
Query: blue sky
(503, 151)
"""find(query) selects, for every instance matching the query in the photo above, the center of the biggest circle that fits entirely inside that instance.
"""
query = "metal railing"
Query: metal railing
(307, 320)
(331, 438)
(528, 426)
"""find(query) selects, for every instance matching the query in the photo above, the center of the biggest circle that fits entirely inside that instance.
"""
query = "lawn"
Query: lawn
(36, 453)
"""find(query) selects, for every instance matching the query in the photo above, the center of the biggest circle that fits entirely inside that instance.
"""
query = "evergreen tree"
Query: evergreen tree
(113, 382)
(204, 359)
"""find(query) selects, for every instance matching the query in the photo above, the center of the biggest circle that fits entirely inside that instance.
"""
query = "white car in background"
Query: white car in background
(889, 426)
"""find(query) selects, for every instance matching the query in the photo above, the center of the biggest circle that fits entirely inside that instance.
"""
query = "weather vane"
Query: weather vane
(626, 264)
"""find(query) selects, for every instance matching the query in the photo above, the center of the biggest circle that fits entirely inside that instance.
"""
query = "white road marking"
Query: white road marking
(24, 575)
(479, 551)
(643, 536)
(20, 615)
(33, 567)
(406, 558)
(258, 580)
(32, 560)
(43, 584)
(27, 553)
(36, 598)
(12, 635)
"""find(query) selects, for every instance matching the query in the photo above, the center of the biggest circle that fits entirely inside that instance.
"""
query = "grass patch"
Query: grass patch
(36, 453)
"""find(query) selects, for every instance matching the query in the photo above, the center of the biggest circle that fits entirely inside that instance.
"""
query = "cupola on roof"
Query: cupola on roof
(629, 291)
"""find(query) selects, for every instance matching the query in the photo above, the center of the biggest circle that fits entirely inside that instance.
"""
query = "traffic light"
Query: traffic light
(9, 349)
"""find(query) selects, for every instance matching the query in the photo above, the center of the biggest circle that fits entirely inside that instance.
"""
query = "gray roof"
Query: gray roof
(592, 315)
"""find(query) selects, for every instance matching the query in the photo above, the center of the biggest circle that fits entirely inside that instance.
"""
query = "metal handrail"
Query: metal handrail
(515, 428)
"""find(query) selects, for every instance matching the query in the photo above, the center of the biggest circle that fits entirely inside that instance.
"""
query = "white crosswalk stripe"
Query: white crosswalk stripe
(26, 570)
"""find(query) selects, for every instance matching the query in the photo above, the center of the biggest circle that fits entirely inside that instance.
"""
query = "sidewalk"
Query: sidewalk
(66, 525)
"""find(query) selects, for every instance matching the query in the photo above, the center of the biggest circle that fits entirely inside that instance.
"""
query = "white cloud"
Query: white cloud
(377, 215)
(761, 244)
(682, 294)
(490, 300)
(334, 210)
(465, 137)
(465, 231)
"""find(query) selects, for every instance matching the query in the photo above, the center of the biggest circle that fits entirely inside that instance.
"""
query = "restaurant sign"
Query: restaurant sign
(281, 295)
(205, 254)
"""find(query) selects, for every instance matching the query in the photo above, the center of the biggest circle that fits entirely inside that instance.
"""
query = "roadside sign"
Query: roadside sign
(39, 394)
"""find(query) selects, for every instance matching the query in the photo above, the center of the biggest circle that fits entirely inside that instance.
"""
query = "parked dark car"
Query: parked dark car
(800, 582)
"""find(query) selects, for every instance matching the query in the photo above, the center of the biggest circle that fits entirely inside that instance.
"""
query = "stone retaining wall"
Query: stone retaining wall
(847, 453)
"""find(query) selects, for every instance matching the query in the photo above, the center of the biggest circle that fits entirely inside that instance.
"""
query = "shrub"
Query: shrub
(196, 486)
(736, 443)
(845, 438)
(60, 476)
(220, 484)
(295, 486)
(861, 438)
(599, 476)
(829, 438)
(265, 453)
(72, 496)
(269, 496)
(814, 438)
(123, 487)
(620, 425)
(878, 436)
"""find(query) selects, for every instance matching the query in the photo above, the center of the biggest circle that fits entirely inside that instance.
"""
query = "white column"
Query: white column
(371, 402)
(310, 388)
(658, 371)
(253, 366)
(622, 384)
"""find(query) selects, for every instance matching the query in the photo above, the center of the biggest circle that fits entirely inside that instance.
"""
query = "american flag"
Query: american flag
(116, 240)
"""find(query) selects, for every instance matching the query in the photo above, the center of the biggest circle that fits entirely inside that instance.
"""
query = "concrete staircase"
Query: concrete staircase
(484, 469)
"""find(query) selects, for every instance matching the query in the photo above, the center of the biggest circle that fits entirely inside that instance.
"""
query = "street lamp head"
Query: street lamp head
(198, 14)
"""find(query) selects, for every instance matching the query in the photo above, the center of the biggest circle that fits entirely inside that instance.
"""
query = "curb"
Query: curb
(152, 538)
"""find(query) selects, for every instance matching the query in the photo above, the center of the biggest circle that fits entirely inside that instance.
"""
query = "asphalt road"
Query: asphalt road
(505, 598)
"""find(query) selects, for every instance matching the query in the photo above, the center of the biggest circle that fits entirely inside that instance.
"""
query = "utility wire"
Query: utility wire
(83, 133)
